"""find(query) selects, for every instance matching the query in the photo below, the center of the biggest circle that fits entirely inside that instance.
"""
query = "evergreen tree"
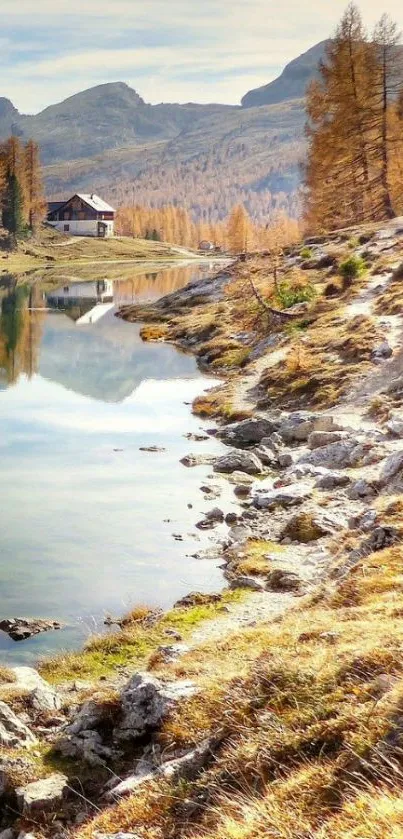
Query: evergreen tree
(35, 201)
(13, 219)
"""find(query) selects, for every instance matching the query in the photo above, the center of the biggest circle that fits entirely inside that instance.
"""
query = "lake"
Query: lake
(88, 521)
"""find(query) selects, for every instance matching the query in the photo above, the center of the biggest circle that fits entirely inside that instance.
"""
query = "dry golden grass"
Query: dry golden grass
(304, 705)
(154, 332)
(6, 675)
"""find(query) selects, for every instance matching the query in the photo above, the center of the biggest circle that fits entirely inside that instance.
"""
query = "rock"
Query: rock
(391, 466)
(42, 696)
(382, 351)
(172, 652)
(145, 701)
(267, 456)
(332, 480)
(279, 580)
(395, 427)
(196, 438)
(323, 438)
(19, 629)
(290, 497)
(8, 834)
(211, 491)
(151, 449)
(309, 526)
(206, 524)
(116, 836)
(339, 455)
(191, 460)
(249, 432)
(13, 732)
(196, 598)
(299, 425)
(362, 489)
(285, 459)
(86, 746)
(42, 796)
(238, 460)
(215, 515)
(230, 519)
(239, 534)
(247, 582)
(186, 768)
(242, 490)
(241, 478)
(364, 521)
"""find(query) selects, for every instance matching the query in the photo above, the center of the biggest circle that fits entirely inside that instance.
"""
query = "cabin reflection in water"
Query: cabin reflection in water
(85, 303)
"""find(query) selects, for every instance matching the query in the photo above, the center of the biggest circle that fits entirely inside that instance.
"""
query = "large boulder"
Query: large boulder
(13, 732)
(19, 629)
(239, 461)
(297, 426)
(340, 455)
(391, 467)
(324, 438)
(42, 796)
(249, 432)
(41, 695)
(291, 496)
(145, 702)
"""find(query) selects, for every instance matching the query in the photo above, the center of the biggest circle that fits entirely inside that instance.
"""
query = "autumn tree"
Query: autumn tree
(35, 201)
(238, 229)
(385, 82)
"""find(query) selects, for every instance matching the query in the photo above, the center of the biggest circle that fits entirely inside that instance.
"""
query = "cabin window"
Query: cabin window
(66, 228)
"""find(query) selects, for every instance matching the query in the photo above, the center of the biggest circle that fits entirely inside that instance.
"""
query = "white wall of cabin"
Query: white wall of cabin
(86, 227)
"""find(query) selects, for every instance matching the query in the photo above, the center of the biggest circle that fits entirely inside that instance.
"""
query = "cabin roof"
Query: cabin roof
(54, 205)
(96, 202)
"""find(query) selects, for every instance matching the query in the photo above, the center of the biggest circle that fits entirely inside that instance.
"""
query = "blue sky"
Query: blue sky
(169, 50)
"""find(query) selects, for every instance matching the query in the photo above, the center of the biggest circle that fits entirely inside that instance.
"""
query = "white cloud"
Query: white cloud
(158, 47)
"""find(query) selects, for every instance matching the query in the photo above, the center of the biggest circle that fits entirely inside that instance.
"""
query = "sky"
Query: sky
(168, 50)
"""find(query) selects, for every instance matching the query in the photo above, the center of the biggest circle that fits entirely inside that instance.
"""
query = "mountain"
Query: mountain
(205, 157)
(292, 83)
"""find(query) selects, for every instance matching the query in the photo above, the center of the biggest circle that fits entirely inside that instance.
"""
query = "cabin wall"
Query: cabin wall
(86, 227)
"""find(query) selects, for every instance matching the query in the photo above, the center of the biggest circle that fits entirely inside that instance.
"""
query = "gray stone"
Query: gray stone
(395, 427)
(145, 701)
(86, 746)
(285, 459)
(324, 438)
(19, 629)
(7, 834)
(215, 514)
(13, 732)
(242, 490)
(237, 460)
(383, 350)
(41, 796)
(239, 534)
(339, 455)
(42, 696)
(249, 432)
(247, 582)
(231, 519)
(171, 652)
(186, 768)
(391, 466)
(364, 521)
(290, 497)
(267, 456)
(279, 580)
(361, 489)
(332, 480)
(300, 424)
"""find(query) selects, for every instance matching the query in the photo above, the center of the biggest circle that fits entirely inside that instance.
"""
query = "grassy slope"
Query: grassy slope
(308, 707)
(51, 247)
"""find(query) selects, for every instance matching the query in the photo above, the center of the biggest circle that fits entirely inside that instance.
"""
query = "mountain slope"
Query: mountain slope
(292, 83)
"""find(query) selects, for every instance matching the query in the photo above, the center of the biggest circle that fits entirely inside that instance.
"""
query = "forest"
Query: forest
(22, 201)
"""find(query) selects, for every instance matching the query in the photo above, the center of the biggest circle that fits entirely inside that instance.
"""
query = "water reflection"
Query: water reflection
(69, 334)
(88, 517)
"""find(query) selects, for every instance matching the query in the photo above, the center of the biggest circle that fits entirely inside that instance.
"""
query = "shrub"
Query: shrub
(352, 267)
(288, 295)
(306, 253)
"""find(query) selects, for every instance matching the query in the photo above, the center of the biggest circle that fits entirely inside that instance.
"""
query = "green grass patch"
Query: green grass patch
(133, 646)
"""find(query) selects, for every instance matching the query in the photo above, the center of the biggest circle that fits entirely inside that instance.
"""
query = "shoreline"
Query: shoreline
(280, 681)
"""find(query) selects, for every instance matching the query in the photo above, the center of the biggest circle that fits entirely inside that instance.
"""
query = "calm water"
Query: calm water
(84, 513)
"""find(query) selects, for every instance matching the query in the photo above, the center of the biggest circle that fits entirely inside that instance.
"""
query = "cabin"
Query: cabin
(82, 215)
(206, 246)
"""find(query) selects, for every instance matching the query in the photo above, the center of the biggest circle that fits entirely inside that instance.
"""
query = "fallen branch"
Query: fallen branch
(277, 313)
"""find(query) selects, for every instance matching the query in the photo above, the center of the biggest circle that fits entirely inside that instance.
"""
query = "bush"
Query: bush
(289, 295)
(306, 253)
(352, 267)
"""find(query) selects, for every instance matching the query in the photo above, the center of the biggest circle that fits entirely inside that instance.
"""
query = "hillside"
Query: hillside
(291, 84)
(272, 708)
(107, 138)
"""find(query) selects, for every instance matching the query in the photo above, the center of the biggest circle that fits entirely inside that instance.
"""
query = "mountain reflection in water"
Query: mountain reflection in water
(70, 334)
